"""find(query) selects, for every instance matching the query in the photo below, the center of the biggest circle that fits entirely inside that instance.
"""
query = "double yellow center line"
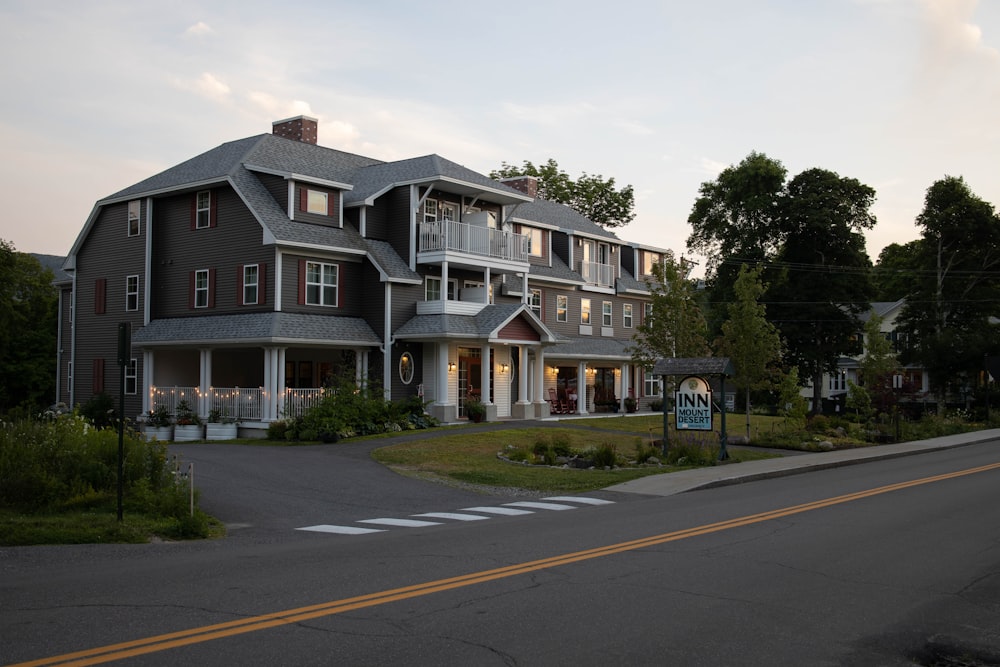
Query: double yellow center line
(254, 623)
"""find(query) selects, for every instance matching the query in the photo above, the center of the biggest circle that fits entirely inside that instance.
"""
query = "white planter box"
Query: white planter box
(188, 432)
(161, 433)
(220, 431)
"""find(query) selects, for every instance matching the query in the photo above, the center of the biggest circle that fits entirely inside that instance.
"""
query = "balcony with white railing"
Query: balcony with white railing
(601, 275)
(447, 240)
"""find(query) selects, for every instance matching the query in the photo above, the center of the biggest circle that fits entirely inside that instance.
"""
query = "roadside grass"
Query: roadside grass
(94, 526)
(471, 459)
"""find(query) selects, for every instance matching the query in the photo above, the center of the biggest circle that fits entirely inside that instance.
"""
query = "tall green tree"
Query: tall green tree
(676, 326)
(822, 285)
(748, 339)
(597, 199)
(28, 312)
(734, 222)
(878, 365)
(956, 289)
(895, 271)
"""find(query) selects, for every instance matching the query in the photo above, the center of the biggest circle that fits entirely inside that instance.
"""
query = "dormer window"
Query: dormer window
(535, 241)
(317, 202)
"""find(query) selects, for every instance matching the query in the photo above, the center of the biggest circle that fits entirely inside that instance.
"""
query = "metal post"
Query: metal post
(191, 482)
(666, 415)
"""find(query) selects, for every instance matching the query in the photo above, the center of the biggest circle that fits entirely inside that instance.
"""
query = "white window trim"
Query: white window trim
(129, 293)
(322, 284)
(535, 301)
(201, 293)
(627, 315)
(564, 317)
(132, 374)
(255, 284)
(317, 202)
(607, 314)
(134, 216)
(206, 210)
(585, 314)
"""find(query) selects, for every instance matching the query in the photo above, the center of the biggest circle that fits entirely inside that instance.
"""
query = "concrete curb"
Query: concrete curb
(670, 484)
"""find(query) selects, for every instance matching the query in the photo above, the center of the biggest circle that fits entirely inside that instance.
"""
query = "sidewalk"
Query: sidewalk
(722, 475)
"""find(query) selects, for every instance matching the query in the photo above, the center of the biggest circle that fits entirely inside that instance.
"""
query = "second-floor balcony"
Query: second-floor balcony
(601, 275)
(446, 237)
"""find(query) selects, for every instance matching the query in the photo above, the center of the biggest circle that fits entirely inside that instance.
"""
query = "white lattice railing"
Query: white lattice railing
(240, 403)
(472, 239)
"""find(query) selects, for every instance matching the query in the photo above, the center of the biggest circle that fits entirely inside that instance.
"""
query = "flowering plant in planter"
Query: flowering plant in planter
(186, 416)
(475, 410)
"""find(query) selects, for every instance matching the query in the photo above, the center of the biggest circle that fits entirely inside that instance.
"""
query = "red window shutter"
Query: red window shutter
(302, 281)
(211, 288)
(239, 284)
(261, 294)
(194, 211)
(213, 208)
(303, 199)
(98, 382)
(100, 296)
(191, 290)
(331, 204)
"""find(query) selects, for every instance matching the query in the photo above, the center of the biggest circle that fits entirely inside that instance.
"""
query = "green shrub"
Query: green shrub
(100, 410)
(603, 456)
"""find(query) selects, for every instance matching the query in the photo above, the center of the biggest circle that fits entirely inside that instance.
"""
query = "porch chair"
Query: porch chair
(556, 406)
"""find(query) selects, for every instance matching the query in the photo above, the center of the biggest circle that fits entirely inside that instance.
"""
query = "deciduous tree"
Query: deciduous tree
(592, 196)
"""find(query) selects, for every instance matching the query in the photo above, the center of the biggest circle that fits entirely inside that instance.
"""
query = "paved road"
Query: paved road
(849, 565)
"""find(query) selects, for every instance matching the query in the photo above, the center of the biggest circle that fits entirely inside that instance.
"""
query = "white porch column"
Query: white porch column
(441, 397)
(581, 387)
(364, 366)
(357, 367)
(267, 394)
(522, 409)
(147, 381)
(484, 374)
(486, 285)
(538, 389)
(278, 389)
(624, 389)
(205, 383)
(524, 287)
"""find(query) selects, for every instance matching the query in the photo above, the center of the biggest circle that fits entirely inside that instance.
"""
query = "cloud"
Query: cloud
(199, 29)
(211, 87)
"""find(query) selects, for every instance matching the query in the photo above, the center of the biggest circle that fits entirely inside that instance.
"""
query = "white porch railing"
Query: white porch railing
(245, 404)
(297, 401)
(598, 274)
(472, 239)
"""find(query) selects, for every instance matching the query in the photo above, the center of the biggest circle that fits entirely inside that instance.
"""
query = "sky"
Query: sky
(661, 95)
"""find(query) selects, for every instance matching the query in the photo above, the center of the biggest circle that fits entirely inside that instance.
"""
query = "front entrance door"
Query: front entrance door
(470, 376)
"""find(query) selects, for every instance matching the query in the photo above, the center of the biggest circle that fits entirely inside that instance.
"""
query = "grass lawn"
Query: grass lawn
(471, 458)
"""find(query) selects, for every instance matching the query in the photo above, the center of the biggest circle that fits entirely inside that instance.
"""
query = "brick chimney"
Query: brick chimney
(299, 128)
(526, 184)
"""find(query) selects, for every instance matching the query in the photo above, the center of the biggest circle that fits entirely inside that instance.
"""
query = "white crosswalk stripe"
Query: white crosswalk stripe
(481, 513)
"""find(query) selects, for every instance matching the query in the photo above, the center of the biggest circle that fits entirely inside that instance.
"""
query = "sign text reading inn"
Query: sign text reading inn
(693, 405)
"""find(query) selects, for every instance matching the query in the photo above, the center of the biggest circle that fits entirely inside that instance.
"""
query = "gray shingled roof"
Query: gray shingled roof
(54, 263)
(385, 257)
(374, 179)
(256, 328)
(558, 215)
(483, 325)
(626, 283)
(590, 347)
(694, 366)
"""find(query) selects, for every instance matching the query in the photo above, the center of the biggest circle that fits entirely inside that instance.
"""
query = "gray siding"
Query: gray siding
(277, 186)
(235, 240)
(560, 247)
(397, 220)
(107, 254)
(350, 292)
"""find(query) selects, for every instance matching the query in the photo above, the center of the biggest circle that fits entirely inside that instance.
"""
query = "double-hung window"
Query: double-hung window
(647, 313)
(430, 210)
(131, 376)
(535, 247)
(650, 383)
(133, 217)
(535, 302)
(201, 285)
(627, 315)
(132, 293)
(584, 311)
(321, 284)
(607, 314)
(251, 283)
(562, 308)
(203, 210)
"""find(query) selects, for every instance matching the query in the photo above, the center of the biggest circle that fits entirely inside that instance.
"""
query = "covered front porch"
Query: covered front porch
(494, 357)
(244, 375)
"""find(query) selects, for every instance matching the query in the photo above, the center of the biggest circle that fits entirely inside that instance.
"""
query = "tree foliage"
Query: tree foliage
(28, 322)
(822, 283)
(592, 196)
(895, 270)
(955, 288)
(748, 339)
(676, 326)
(734, 223)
